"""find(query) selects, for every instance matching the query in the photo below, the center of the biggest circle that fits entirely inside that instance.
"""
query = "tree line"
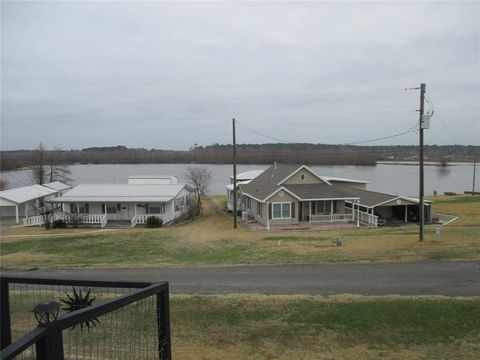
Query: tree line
(312, 154)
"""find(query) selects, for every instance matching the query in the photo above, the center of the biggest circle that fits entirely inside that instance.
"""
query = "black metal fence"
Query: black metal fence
(98, 320)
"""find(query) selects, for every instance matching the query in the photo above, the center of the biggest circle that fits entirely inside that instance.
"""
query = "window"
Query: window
(259, 209)
(179, 203)
(157, 209)
(281, 211)
(302, 177)
(321, 207)
(111, 209)
(248, 203)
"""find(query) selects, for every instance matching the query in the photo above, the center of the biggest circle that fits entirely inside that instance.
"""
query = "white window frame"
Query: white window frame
(281, 210)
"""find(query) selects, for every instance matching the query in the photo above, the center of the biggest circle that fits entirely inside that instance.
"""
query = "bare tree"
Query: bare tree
(199, 178)
(3, 184)
(46, 211)
(47, 167)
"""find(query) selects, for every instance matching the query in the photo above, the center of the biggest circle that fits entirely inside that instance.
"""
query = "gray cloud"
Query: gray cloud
(167, 75)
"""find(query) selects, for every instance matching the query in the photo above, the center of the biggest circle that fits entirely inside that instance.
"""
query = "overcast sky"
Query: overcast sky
(169, 75)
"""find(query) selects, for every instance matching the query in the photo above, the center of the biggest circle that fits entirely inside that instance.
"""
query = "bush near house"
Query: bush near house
(59, 224)
(154, 222)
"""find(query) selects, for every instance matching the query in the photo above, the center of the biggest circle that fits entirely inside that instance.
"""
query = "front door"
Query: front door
(124, 213)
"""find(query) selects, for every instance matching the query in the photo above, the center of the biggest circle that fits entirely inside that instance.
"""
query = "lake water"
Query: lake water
(390, 178)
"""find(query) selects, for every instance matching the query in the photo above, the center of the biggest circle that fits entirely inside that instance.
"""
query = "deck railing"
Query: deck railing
(68, 218)
(123, 320)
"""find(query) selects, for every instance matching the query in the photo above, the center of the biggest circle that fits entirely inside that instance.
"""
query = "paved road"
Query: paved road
(424, 278)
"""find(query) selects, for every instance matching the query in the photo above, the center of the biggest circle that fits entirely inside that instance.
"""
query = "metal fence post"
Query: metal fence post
(163, 323)
(50, 347)
(5, 329)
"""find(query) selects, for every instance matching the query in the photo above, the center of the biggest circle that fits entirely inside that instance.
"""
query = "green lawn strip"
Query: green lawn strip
(291, 322)
(459, 200)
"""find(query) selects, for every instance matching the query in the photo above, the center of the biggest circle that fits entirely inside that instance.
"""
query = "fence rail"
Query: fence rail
(120, 317)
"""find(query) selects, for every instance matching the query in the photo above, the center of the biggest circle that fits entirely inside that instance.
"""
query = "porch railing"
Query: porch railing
(33, 221)
(364, 217)
(330, 218)
(68, 218)
(142, 219)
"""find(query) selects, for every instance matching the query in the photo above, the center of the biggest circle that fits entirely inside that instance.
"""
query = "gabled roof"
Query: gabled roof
(26, 193)
(57, 185)
(266, 183)
(122, 193)
(303, 167)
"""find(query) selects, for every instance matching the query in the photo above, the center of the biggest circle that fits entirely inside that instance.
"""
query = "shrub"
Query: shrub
(59, 224)
(154, 222)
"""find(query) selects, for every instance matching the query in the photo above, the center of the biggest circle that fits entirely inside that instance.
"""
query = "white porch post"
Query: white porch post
(16, 214)
(310, 211)
(26, 210)
(268, 215)
(353, 210)
(406, 213)
(78, 208)
(135, 205)
(358, 215)
(331, 211)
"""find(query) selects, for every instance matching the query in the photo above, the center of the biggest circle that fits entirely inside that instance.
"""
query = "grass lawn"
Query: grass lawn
(211, 241)
(305, 327)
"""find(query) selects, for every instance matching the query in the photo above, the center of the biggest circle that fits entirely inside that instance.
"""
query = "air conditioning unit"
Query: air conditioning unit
(245, 215)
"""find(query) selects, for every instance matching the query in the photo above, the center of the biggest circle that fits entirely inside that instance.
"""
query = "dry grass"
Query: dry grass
(211, 241)
(339, 327)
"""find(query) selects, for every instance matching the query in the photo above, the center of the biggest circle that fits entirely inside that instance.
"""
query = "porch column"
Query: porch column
(78, 208)
(26, 210)
(16, 214)
(135, 207)
(331, 211)
(406, 213)
(353, 210)
(310, 211)
(358, 215)
(268, 215)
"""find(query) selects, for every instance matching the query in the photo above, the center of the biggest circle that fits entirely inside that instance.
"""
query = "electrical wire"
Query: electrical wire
(430, 101)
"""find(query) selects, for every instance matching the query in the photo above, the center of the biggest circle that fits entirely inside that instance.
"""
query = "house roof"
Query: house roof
(373, 198)
(57, 185)
(122, 193)
(26, 193)
(248, 175)
(318, 191)
(332, 178)
(266, 183)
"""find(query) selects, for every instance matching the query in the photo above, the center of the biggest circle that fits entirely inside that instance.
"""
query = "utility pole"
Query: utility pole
(421, 127)
(474, 166)
(234, 176)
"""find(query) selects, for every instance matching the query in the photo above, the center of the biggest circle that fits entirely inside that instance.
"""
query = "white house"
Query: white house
(131, 203)
(243, 178)
(24, 201)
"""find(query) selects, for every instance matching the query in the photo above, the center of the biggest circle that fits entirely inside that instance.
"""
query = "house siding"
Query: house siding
(309, 178)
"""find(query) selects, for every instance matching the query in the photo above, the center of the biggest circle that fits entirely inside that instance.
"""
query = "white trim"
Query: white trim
(306, 168)
(281, 210)
(278, 190)
(254, 198)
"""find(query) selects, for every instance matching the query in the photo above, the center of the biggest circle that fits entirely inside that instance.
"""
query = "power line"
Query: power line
(409, 130)
(430, 101)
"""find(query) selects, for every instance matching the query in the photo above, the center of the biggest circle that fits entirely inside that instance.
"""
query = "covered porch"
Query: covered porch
(324, 211)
